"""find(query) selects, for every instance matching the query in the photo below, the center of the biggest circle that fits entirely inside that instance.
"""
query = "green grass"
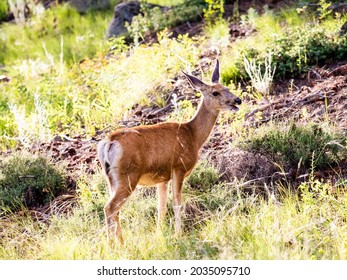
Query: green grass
(307, 226)
(3, 10)
(296, 41)
(86, 97)
(62, 81)
(308, 146)
(82, 36)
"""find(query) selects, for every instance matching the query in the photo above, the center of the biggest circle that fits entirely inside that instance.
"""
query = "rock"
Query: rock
(343, 29)
(84, 5)
(123, 12)
(58, 138)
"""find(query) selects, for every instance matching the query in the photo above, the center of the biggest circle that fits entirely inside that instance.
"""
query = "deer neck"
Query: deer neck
(202, 123)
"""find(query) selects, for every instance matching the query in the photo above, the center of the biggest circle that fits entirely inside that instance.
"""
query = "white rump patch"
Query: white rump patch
(110, 153)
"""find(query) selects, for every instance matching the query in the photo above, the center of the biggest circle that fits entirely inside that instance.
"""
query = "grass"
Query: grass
(299, 145)
(301, 226)
(81, 38)
(295, 40)
(86, 96)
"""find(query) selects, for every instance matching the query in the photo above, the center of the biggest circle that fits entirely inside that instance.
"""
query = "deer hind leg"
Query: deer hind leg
(162, 202)
(121, 191)
(177, 182)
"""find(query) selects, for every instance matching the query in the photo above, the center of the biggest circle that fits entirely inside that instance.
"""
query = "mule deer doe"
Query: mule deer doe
(154, 154)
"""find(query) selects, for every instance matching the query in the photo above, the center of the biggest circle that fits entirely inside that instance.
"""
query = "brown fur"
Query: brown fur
(169, 152)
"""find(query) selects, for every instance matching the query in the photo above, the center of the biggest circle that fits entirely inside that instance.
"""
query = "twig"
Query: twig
(281, 174)
(317, 96)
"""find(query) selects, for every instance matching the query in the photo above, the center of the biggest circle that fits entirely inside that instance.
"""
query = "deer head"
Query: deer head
(216, 96)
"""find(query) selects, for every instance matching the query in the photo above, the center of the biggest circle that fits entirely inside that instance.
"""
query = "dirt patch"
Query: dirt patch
(242, 165)
(322, 98)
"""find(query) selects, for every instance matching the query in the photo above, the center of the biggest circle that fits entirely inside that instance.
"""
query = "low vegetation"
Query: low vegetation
(27, 181)
(62, 77)
(222, 223)
(296, 40)
(299, 146)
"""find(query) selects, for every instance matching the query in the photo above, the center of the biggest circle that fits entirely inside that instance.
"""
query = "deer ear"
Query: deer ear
(194, 82)
(215, 75)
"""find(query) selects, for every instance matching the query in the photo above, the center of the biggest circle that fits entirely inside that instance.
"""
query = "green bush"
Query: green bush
(214, 11)
(152, 20)
(204, 176)
(296, 41)
(309, 145)
(27, 180)
(298, 50)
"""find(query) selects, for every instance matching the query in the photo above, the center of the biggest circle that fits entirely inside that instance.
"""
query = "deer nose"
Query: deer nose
(238, 101)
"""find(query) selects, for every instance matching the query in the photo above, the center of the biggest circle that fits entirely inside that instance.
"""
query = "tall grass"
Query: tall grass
(296, 40)
(87, 96)
(83, 35)
(234, 226)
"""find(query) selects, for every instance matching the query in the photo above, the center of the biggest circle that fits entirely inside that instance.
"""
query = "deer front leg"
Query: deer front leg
(177, 182)
(162, 202)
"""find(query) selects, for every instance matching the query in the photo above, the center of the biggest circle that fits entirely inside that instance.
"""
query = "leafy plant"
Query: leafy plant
(323, 9)
(299, 145)
(296, 51)
(28, 180)
(204, 176)
(214, 11)
(152, 20)
(3, 10)
(296, 40)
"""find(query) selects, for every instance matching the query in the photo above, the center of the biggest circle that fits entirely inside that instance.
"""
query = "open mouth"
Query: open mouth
(233, 108)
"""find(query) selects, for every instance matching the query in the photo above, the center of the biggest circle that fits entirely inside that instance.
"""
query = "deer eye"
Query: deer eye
(215, 93)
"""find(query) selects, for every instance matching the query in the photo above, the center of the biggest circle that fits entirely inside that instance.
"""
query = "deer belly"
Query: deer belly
(151, 179)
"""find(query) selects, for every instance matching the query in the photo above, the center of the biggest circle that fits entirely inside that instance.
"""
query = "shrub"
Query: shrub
(214, 11)
(309, 145)
(296, 51)
(28, 180)
(152, 20)
(203, 177)
(296, 42)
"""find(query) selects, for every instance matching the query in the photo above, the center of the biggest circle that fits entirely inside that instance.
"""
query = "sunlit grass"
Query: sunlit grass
(83, 36)
(218, 34)
(166, 2)
(90, 95)
(297, 226)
